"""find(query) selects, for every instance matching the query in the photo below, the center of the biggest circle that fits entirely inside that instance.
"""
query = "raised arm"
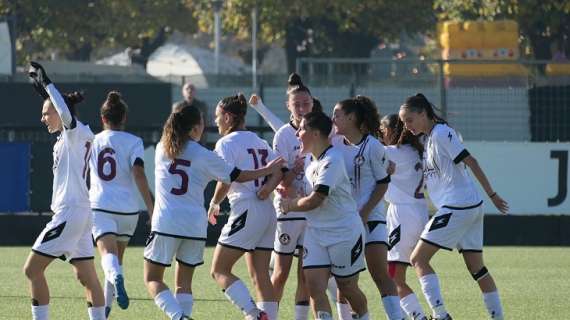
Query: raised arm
(274, 122)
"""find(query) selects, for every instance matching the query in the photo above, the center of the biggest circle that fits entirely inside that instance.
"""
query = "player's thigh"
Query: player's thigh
(347, 255)
(160, 249)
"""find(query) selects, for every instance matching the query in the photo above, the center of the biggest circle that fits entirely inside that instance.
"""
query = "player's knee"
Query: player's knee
(29, 271)
(480, 274)
(417, 260)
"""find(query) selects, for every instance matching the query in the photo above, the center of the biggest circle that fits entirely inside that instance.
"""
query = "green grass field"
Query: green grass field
(533, 283)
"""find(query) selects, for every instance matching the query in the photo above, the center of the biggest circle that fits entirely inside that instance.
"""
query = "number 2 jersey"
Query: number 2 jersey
(180, 183)
(407, 183)
(113, 186)
(247, 151)
(70, 168)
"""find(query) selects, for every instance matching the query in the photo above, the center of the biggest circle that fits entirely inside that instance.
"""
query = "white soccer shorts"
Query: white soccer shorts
(251, 226)
(456, 227)
(67, 236)
(121, 225)
(344, 257)
(161, 249)
(406, 223)
(376, 232)
(289, 234)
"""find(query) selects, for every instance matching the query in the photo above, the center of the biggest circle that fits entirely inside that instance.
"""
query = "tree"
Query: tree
(322, 28)
(541, 22)
(75, 27)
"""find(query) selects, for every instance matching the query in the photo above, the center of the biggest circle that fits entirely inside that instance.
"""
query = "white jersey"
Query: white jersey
(287, 145)
(366, 163)
(327, 175)
(71, 155)
(247, 151)
(180, 183)
(447, 180)
(407, 183)
(113, 186)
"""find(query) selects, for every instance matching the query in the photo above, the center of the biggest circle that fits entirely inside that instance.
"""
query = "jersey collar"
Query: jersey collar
(324, 152)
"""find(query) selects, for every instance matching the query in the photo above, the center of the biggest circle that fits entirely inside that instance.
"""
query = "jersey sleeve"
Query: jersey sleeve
(137, 152)
(448, 140)
(378, 158)
(281, 148)
(328, 175)
(60, 106)
(223, 150)
(218, 169)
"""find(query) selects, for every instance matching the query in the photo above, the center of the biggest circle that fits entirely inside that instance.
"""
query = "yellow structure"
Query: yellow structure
(480, 40)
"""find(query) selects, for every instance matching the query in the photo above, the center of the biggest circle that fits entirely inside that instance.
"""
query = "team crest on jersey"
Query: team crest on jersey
(359, 160)
(54, 233)
(440, 221)
(394, 237)
(356, 251)
(238, 224)
(284, 238)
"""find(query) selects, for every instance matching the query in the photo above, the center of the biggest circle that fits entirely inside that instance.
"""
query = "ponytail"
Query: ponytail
(419, 103)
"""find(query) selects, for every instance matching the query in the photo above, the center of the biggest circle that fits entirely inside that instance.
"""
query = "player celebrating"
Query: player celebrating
(68, 234)
(290, 228)
(334, 237)
(408, 212)
(183, 168)
(357, 122)
(117, 169)
(459, 219)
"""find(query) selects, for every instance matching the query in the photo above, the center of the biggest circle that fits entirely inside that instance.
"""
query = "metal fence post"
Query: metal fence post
(442, 91)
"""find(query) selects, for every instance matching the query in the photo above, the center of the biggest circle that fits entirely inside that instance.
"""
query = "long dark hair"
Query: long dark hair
(176, 129)
(400, 135)
(236, 106)
(366, 113)
(419, 103)
(114, 108)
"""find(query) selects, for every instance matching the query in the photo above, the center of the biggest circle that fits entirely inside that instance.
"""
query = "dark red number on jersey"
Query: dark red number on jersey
(105, 156)
(183, 175)
(263, 154)
(86, 158)
(418, 194)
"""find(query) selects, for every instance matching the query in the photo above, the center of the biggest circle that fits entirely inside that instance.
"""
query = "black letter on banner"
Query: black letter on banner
(562, 157)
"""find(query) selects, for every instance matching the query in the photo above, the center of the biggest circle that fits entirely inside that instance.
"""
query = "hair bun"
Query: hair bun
(114, 97)
(295, 80)
(421, 95)
(241, 99)
(73, 98)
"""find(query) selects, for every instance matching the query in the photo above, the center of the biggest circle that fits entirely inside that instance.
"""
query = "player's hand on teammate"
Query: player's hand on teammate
(299, 165)
(500, 203)
(276, 164)
(254, 100)
(38, 74)
(213, 213)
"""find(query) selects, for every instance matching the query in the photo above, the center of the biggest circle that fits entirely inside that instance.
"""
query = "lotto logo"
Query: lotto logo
(284, 239)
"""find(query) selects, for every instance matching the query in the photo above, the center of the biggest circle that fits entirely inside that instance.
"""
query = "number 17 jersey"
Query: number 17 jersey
(113, 186)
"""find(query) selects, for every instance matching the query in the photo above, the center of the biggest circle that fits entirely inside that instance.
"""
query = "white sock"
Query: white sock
(302, 311)
(412, 307)
(344, 311)
(40, 312)
(96, 313)
(109, 294)
(238, 294)
(493, 304)
(168, 304)
(186, 301)
(332, 288)
(392, 307)
(323, 315)
(111, 266)
(269, 307)
(432, 292)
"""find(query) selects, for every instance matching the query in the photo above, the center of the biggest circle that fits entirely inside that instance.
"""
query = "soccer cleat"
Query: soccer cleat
(262, 316)
(122, 297)
(447, 317)
(107, 311)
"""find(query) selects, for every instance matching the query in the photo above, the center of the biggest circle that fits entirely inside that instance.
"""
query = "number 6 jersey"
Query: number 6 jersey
(113, 156)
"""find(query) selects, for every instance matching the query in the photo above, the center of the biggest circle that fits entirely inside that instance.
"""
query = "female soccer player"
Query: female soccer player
(459, 219)
(117, 170)
(290, 228)
(407, 211)
(356, 122)
(183, 168)
(334, 237)
(251, 225)
(68, 234)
